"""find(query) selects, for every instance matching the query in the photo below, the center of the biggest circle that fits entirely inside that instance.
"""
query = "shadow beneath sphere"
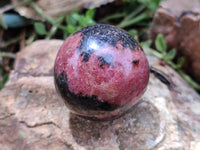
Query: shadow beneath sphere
(139, 126)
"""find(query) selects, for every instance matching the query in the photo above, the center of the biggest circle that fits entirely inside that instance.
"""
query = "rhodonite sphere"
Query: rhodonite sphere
(101, 72)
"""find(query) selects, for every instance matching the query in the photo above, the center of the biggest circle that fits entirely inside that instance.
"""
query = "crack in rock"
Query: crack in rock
(40, 124)
(68, 145)
(5, 116)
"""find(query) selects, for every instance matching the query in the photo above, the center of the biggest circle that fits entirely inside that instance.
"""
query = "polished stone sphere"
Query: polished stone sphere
(101, 72)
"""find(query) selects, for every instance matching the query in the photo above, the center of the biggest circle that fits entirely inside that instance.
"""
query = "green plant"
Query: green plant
(135, 13)
(41, 30)
(3, 73)
(4, 78)
(76, 21)
(132, 13)
(150, 4)
(168, 56)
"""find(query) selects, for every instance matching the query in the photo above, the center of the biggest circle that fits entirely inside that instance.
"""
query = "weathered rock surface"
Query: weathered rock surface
(32, 116)
(178, 21)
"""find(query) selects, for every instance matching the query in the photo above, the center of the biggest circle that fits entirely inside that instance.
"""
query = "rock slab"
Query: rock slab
(32, 116)
(178, 21)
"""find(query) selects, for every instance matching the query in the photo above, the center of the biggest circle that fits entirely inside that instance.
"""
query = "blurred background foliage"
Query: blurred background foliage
(134, 16)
